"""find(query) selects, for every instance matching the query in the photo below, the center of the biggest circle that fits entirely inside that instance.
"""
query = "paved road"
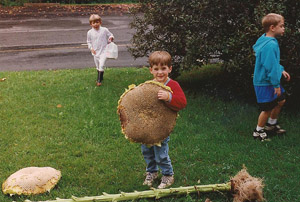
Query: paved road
(60, 43)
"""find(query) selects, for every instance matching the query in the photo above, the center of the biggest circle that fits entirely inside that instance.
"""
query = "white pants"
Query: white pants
(100, 61)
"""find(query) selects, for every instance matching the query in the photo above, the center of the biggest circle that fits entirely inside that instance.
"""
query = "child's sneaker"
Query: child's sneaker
(261, 134)
(150, 177)
(274, 128)
(98, 84)
(166, 181)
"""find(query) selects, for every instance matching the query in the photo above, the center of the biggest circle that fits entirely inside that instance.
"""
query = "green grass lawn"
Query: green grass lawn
(82, 138)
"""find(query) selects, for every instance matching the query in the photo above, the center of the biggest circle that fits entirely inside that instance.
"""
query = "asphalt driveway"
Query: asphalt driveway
(59, 43)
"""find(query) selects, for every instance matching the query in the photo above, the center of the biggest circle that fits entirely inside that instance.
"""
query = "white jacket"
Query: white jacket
(98, 39)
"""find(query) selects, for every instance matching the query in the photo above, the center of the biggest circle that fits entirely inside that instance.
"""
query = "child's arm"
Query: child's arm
(272, 66)
(176, 100)
(286, 75)
(93, 51)
(110, 36)
(164, 95)
(277, 91)
(111, 39)
(89, 42)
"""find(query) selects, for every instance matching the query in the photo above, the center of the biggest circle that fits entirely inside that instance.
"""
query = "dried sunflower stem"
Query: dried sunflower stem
(154, 193)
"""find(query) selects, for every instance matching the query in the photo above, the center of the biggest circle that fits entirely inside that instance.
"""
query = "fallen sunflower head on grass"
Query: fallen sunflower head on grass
(31, 180)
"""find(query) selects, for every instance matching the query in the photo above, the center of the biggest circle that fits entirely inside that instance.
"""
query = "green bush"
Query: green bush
(13, 2)
(238, 56)
(197, 31)
(165, 25)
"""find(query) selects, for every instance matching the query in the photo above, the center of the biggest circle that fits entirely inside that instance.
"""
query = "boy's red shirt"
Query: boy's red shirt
(178, 100)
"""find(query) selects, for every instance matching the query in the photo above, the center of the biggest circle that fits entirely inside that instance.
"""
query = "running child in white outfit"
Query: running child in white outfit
(97, 39)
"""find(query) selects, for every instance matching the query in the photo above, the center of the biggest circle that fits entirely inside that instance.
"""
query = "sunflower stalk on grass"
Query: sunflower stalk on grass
(243, 186)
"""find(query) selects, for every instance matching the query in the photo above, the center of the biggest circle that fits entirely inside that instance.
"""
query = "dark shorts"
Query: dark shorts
(268, 106)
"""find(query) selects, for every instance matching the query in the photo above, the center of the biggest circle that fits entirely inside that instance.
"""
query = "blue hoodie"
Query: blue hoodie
(267, 70)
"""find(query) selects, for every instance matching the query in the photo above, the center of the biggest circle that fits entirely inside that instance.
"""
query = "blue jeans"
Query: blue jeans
(156, 156)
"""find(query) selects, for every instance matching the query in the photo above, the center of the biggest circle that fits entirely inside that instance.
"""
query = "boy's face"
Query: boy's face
(96, 24)
(160, 72)
(278, 29)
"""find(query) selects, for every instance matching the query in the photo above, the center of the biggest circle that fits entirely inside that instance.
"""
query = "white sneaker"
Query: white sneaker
(261, 134)
(274, 128)
(150, 177)
(166, 181)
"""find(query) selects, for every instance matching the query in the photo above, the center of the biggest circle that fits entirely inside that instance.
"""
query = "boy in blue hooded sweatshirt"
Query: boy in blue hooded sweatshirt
(267, 74)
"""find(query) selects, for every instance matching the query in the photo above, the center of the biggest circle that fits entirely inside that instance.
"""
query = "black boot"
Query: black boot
(101, 76)
(99, 79)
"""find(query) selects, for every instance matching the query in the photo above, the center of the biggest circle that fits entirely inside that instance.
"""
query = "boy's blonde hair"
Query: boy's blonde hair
(271, 19)
(95, 17)
(160, 58)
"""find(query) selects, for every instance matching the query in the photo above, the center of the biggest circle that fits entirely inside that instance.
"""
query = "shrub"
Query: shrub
(13, 2)
(197, 31)
(164, 25)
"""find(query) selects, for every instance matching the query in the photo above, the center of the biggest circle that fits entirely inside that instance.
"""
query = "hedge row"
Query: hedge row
(197, 31)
